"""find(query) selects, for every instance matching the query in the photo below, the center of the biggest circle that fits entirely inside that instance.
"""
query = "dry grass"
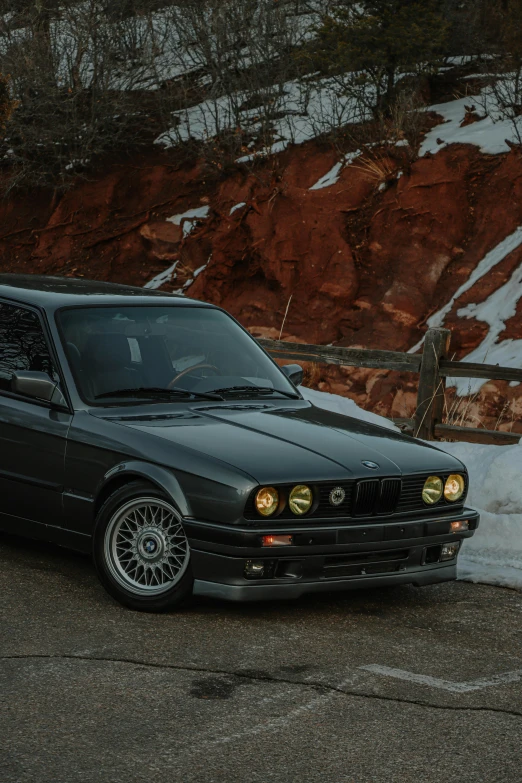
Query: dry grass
(312, 374)
(284, 319)
(378, 167)
(457, 412)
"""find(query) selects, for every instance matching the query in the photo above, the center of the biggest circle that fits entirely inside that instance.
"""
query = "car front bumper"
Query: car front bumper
(325, 557)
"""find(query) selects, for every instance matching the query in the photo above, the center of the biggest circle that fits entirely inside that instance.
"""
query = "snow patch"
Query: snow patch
(277, 146)
(494, 554)
(489, 134)
(237, 206)
(162, 278)
(462, 59)
(189, 218)
(495, 311)
(304, 111)
(490, 260)
(332, 177)
(76, 163)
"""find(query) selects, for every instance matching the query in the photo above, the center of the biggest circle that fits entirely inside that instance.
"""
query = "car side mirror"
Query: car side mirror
(294, 373)
(37, 385)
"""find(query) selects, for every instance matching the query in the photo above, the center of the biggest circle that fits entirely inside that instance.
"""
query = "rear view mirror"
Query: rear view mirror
(294, 373)
(37, 385)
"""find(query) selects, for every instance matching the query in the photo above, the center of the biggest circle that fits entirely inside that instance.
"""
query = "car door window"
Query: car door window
(23, 345)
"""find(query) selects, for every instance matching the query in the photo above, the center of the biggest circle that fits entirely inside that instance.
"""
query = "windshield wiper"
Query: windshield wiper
(256, 390)
(155, 392)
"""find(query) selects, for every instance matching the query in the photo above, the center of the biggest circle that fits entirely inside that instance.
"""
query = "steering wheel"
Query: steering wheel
(174, 381)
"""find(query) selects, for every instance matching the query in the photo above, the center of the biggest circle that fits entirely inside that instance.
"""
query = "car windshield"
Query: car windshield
(164, 354)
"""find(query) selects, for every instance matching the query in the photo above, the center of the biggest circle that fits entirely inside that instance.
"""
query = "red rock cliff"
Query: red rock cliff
(362, 262)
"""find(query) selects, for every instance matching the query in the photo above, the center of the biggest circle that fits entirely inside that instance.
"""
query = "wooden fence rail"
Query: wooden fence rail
(433, 368)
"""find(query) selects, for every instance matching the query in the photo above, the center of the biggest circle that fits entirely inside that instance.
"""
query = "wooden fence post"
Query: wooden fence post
(430, 399)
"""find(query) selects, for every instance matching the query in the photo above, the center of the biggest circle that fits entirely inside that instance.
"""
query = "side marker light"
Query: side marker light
(277, 540)
(460, 526)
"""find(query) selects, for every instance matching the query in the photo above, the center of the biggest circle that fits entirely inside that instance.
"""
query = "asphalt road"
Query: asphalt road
(398, 685)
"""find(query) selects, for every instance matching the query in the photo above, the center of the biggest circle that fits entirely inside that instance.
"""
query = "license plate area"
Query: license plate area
(364, 563)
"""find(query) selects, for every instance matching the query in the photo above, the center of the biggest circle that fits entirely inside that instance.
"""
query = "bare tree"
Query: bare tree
(223, 77)
(502, 99)
(77, 75)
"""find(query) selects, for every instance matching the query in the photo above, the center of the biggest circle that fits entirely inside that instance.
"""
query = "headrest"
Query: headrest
(107, 350)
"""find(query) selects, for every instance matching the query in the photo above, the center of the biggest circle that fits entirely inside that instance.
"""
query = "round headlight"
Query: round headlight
(454, 488)
(432, 491)
(300, 500)
(267, 501)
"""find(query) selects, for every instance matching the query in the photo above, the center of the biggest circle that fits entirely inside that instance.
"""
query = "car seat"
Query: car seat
(107, 364)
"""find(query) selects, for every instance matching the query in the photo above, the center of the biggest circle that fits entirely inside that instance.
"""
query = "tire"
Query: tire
(140, 549)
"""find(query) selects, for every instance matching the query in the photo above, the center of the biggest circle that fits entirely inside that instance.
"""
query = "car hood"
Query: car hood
(293, 442)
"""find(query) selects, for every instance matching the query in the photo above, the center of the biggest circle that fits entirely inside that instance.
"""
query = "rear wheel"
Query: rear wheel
(141, 552)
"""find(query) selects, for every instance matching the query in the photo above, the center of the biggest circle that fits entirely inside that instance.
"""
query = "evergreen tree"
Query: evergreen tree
(382, 39)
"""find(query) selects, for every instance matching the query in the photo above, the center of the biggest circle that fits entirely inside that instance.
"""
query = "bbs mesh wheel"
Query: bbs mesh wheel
(140, 549)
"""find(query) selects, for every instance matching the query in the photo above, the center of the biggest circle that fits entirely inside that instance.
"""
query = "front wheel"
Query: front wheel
(141, 552)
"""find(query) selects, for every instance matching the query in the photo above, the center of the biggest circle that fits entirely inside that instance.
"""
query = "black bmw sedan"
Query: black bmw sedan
(155, 433)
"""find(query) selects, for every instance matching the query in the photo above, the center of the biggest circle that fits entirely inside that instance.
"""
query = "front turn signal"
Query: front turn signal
(277, 540)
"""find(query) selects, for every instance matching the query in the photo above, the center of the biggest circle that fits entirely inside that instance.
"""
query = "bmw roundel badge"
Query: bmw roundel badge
(368, 464)
(336, 496)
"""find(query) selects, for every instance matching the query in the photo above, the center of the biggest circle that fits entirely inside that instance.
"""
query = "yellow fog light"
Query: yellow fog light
(300, 500)
(454, 488)
(432, 491)
(267, 501)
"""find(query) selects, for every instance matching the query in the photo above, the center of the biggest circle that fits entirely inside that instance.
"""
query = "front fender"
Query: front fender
(161, 477)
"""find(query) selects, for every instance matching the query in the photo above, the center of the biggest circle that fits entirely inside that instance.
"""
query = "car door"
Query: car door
(32, 433)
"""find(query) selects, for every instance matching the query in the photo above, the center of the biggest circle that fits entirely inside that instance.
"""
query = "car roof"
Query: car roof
(54, 292)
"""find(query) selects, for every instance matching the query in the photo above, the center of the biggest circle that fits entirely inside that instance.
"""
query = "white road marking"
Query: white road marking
(445, 685)
(267, 725)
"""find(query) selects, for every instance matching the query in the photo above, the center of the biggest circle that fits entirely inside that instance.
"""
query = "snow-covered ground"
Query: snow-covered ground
(304, 109)
(489, 134)
(494, 554)
(161, 46)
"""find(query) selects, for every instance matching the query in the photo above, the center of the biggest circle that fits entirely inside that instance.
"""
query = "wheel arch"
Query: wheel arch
(127, 472)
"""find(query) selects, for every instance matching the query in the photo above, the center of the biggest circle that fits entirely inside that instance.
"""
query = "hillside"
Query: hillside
(277, 161)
